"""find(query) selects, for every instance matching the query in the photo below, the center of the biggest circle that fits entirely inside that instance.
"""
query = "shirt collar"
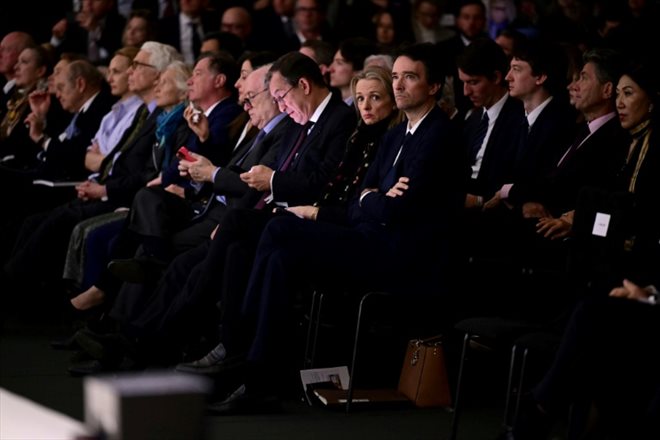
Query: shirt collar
(273, 122)
(495, 109)
(317, 113)
(534, 114)
(412, 128)
(599, 122)
(212, 106)
(87, 103)
(8, 86)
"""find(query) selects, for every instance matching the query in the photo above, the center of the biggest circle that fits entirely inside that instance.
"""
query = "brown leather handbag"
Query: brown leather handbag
(424, 374)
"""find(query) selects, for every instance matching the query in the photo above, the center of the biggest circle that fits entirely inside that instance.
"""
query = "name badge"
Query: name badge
(601, 224)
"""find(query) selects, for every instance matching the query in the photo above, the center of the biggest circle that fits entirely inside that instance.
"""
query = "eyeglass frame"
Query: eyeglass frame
(248, 99)
(135, 64)
(280, 99)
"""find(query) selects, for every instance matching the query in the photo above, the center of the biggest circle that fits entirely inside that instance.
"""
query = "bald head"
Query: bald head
(258, 103)
(237, 21)
(10, 47)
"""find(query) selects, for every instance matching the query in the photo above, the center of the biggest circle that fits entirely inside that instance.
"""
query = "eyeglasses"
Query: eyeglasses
(248, 99)
(136, 64)
(280, 100)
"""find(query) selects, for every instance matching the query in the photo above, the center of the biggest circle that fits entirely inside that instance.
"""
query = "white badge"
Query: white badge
(601, 224)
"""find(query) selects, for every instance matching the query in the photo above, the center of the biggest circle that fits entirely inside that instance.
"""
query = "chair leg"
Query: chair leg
(358, 325)
(521, 382)
(507, 422)
(319, 309)
(307, 360)
(459, 382)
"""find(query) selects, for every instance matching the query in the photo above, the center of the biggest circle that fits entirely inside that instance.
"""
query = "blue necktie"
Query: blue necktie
(478, 137)
(71, 130)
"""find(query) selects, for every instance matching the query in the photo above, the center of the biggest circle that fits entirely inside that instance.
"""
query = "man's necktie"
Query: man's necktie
(582, 134)
(135, 128)
(392, 175)
(478, 137)
(257, 140)
(289, 158)
(196, 41)
(71, 129)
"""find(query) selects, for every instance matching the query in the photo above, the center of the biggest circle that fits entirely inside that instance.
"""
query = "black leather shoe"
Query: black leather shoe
(240, 400)
(86, 368)
(108, 348)
(66, 343)
(137, 270)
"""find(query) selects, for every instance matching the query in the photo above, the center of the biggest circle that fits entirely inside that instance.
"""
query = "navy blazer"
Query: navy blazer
(538, 154)
(66, 159)
(317, 158)
(500, 154)
(132, 168)
(434, 162)
(596, 163)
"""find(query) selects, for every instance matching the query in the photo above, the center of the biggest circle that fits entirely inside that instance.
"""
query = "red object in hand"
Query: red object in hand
(184, 154)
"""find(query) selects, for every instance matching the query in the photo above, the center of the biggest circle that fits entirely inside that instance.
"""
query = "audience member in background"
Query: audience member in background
(500, 14)
(186, 29)
(508, 40)
(217, 41)
(96, 31)
(380, 59)
(426, 22)
(140, 28)
(309, 22)
(470, 25)
(238, 21)
(349, 60)
(11, 46)
(322, 53)
(30, 72)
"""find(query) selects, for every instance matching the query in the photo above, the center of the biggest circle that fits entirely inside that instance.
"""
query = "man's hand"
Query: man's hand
(198, 123)
(553, 228)
(631, 290)
(258, 177)
(200, 170)
(59, 29)
(176, 190)
(307, 212)
(473, 201)
(155, 181)
(90, 190)
(399, 187)
(494, 201)
(93, 158)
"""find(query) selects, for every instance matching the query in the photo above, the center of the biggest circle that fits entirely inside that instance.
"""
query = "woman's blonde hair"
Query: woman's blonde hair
(383, 76)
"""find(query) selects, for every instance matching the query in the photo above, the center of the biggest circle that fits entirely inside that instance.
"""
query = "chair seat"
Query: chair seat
(542, 342)
(496, 329)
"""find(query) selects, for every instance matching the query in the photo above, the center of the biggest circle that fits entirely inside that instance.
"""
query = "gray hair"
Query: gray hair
(380, 59)
(182, 73)
(161, 55)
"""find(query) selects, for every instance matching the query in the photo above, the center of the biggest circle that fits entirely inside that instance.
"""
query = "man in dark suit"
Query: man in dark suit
(491, 129)
(418, 161)
(81, 90)
(186, 29)
(95, 32)
(43, 238)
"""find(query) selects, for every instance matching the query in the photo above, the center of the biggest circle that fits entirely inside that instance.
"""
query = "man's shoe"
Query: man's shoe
(108, 348)
(240, 400)
(211, 363)
(136, 270)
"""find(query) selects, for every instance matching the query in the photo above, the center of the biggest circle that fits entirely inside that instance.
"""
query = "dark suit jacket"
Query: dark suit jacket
(499, 158)
(131, 170)
(228, 182)
(217, 148)
(595, 163)
(434, 162)
(538, 154)
(66, 159)
(75, 39)
(170, 33)
(317, 158)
